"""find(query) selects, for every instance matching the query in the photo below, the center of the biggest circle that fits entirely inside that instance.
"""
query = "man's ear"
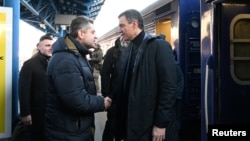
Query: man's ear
(38, 45)
(135, 23)
(80, 34)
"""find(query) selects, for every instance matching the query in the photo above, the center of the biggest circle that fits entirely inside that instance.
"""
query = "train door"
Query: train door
(164, 27)
(233, 64)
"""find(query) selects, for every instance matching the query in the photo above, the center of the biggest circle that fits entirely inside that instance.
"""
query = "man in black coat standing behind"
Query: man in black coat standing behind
(110, 83)
(145, 107)
(32, 89)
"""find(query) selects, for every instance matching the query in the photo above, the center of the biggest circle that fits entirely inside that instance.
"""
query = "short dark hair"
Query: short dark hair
(46, 37)
(80, 22)
(131, 15)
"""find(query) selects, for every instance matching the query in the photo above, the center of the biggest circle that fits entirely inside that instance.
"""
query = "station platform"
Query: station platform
(100, 120)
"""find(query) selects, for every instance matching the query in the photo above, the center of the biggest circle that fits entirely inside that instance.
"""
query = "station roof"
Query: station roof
(50, 15)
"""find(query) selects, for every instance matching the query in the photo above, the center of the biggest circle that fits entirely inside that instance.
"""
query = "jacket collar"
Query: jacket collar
(75, 46)
(138, 39)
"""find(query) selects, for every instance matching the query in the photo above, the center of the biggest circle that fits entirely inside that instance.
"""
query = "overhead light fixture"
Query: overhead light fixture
(42, 25)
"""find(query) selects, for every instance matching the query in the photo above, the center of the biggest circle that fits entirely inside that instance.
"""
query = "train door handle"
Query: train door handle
(209, 65)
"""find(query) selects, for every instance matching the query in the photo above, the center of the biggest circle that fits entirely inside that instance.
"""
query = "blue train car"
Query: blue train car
(188, 51)
(225, 63)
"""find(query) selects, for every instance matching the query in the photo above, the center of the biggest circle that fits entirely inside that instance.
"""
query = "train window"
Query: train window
(240, 49)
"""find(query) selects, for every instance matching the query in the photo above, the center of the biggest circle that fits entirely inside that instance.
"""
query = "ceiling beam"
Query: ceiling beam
(35, 12)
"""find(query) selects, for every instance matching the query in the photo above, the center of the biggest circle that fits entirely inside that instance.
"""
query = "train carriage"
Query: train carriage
(225, 63)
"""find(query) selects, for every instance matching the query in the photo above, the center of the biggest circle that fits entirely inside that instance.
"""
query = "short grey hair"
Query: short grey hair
(80, 22)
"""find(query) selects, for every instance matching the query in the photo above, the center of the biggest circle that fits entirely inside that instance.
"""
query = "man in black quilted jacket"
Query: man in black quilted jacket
(72, 97)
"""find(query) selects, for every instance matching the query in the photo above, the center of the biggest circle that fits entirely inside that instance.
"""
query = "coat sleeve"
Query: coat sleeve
(24, 88)
(70, 87)
(167, 80)
(106, 73)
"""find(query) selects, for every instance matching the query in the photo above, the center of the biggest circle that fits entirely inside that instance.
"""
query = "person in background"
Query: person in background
(32, 91)
(72, 98)
(96, 63)
(145, 106)
(110, 83)
(180, 88)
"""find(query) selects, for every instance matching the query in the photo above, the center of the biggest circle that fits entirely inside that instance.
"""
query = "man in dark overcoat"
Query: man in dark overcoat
(145, 108)
(110, 83)
(32, 91)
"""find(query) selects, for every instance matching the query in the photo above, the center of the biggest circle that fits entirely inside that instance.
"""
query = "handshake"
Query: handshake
(107, 102)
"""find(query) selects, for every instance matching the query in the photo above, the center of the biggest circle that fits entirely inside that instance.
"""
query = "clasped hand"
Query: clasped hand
(107, 102)
(158, 134)
(27, 120)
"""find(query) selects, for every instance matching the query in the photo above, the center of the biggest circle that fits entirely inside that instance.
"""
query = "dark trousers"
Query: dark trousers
(26, 133)
(92, 128)
(108, 133)
(20, 132)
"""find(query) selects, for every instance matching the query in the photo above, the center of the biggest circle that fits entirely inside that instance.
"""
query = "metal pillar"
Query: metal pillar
(15, 4)
(61, 32)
